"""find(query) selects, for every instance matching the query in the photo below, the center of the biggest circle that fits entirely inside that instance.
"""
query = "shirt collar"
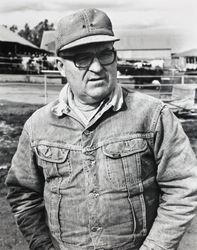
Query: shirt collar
(116, 98)
(62, 107)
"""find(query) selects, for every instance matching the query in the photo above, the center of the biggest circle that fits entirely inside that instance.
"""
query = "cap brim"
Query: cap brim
(90, 39)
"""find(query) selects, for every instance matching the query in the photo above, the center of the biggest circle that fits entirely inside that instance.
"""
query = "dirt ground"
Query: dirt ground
(12, 118)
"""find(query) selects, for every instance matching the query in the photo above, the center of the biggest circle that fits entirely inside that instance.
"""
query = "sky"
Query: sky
(142, 16)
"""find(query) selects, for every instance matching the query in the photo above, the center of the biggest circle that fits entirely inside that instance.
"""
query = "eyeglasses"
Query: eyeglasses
(84, 60)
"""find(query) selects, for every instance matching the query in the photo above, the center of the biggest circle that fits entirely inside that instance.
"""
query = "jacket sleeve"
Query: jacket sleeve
(177, 179)
(25, 195)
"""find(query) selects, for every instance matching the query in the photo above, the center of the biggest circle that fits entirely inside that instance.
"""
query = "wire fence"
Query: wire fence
(161, 86)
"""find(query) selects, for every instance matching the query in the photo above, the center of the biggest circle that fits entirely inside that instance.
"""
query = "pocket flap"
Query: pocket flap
(51, 154)
(124, 148)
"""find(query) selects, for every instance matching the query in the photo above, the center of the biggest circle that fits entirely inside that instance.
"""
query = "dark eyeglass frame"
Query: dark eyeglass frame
(75, 58)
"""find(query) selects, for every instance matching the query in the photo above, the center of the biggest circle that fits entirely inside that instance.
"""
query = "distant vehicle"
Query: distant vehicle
(191, 72)
(143, 74)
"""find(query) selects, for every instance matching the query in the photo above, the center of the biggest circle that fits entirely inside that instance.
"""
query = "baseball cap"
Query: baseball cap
(83, 27)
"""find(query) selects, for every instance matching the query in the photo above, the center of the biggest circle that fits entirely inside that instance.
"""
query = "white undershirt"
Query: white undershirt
(84, 111)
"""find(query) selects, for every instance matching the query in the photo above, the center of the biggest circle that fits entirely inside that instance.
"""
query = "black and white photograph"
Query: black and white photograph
(98, 125)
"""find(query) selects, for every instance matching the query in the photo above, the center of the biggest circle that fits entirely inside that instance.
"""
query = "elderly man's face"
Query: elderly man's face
(90, 83)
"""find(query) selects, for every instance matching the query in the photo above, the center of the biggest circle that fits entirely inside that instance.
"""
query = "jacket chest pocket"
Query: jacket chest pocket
(54, 161)
(123, 162)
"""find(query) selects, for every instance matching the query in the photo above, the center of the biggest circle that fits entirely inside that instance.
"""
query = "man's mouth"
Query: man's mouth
(96, 79)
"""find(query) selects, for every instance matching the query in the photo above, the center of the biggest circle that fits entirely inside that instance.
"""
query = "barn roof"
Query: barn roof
(7, 35)
(48, 40)
(189, 53)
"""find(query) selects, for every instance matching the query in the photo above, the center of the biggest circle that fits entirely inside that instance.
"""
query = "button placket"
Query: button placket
(92, 191)
(96, 229)
(95, 194)
(91, 184)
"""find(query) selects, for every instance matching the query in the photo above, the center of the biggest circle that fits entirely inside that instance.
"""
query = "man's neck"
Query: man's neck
(85, 107)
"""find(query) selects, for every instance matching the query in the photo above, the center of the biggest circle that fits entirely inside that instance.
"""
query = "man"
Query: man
(101, 168)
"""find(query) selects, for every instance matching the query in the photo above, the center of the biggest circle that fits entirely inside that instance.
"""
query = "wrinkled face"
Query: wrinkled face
(90, 84)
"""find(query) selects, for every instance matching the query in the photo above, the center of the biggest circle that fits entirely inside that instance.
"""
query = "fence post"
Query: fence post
(182, 79)
(45, 89)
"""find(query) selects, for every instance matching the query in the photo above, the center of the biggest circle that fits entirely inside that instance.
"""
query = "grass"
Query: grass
(12, 118)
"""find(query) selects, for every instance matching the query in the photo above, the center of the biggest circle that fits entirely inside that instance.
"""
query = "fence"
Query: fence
(51, 74)
(160, 86)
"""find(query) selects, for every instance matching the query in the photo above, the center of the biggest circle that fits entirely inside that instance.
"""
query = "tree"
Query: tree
(38, 30)
(35, 35)
(13, 28)
(26, 33)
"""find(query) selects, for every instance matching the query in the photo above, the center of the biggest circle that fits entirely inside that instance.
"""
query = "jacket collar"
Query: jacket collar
(61, 106)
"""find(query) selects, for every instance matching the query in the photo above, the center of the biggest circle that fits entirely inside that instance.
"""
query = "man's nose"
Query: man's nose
(95, 65)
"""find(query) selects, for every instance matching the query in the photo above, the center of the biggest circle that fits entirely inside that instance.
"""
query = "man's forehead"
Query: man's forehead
(88, 48)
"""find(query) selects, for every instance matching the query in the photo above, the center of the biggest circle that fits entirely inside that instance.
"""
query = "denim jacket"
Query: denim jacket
(127, 181)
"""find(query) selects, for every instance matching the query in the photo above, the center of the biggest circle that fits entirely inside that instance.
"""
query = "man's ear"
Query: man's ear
(61, 67)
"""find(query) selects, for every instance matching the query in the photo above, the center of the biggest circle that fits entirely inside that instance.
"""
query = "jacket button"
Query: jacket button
(95, 229)
(94, 194)
(87, 132)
